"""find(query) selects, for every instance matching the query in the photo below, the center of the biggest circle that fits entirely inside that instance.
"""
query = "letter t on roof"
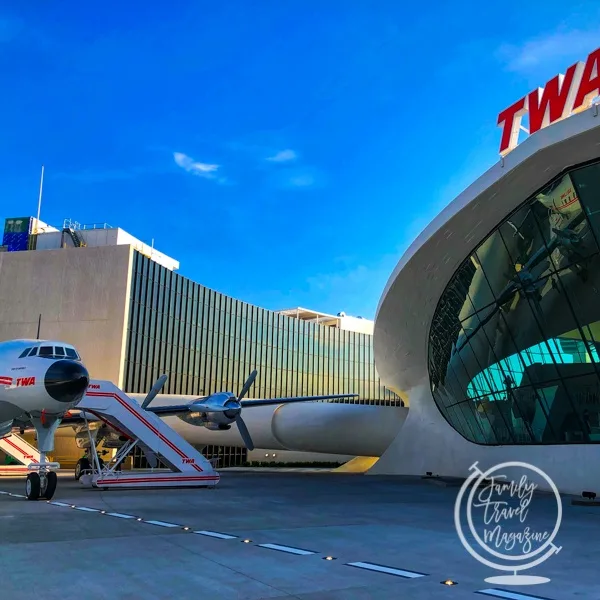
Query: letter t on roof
(510, 121)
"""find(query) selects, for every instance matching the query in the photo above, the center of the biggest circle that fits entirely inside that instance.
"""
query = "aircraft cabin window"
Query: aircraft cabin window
(25, 353)
(33, 351)
(46, 351)
(59, 351)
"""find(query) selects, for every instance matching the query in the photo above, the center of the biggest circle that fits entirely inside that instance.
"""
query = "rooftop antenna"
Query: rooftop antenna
(39, 325)
(40, 200)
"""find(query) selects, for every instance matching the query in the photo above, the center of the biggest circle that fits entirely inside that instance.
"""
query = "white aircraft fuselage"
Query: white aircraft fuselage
(38, 378)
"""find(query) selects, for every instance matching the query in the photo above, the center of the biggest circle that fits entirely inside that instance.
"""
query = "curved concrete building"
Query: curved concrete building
(490, 323)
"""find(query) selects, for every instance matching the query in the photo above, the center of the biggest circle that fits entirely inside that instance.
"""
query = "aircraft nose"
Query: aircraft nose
(66, 380)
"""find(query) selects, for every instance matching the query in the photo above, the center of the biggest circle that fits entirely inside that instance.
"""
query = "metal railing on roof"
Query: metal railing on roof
(70, 224)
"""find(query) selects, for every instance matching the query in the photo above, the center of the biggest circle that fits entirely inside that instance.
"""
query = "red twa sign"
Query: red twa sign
(561, 97)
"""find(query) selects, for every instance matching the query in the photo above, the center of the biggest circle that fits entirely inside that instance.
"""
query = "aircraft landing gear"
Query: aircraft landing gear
(42, 480)
(41, 485)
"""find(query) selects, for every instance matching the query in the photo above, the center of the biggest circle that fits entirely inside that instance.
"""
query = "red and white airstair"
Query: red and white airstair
(14, 445)
(186, 466)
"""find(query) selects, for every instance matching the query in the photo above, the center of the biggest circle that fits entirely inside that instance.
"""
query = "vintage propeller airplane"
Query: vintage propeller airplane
(217, 412)
(40, 380)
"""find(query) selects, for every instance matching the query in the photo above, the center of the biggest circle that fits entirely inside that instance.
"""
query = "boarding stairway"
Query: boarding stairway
(187, 467)
(16, 447)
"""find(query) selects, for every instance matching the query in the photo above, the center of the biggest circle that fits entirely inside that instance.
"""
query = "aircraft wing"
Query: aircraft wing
(289, 400)
(73, 419)
(177, 409)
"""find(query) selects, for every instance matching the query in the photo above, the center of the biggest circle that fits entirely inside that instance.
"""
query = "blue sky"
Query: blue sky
(286, 153)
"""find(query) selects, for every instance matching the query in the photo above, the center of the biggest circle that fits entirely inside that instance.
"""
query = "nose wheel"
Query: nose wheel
(41, 485)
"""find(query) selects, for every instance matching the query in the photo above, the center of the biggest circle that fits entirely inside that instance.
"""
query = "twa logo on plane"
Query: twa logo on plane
(93, 386)
(25, 381)
(563, 96)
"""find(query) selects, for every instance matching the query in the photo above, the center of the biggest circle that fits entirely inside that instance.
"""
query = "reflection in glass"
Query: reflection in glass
(514, 348)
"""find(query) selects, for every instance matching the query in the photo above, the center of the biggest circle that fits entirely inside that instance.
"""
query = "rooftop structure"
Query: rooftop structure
(339, 321)
(28, 233)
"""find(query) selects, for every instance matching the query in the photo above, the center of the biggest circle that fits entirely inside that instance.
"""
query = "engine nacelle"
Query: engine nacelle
(219, 410)
(220, 419)
(217, 426)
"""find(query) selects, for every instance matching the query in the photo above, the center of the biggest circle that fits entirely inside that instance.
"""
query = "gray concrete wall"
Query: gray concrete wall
(82, 295)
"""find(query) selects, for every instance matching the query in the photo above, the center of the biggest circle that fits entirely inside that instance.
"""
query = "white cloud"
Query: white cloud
(283, 156)
(552, 50)
(200, 169)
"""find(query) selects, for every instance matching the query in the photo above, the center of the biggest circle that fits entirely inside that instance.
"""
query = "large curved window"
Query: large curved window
(514, 348)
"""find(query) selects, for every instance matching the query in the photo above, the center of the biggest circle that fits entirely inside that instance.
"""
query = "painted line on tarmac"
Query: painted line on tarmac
(507, 595)
(288, 549)
(280, 548)
(216, 534)
(389, 570)
(162, 524)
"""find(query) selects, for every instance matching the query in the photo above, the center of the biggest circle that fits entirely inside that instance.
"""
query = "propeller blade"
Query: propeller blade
(248, 384)
(160, 382)
(244, 432)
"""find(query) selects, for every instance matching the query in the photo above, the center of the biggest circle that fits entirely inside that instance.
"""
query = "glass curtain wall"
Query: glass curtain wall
(207, 342)
(514, 348)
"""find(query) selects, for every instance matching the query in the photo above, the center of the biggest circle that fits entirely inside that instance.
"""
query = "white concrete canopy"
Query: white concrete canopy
(406, 309)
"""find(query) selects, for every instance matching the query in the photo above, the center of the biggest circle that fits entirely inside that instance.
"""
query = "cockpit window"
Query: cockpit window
(71, 353)
(24, 353)
(57, 352)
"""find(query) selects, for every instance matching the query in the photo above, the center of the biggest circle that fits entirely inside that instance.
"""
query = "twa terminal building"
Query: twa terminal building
(489, 326)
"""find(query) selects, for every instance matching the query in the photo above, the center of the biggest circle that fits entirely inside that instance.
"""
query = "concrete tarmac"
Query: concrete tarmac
(400, 531)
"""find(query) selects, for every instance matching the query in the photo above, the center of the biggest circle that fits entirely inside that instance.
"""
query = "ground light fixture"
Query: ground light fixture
(186, 528)
(329, 558)
(449, 582)
(246, 541)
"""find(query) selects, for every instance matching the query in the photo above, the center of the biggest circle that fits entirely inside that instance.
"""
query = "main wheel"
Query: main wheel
(32, 486)
(51, 481)
(83, 464)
